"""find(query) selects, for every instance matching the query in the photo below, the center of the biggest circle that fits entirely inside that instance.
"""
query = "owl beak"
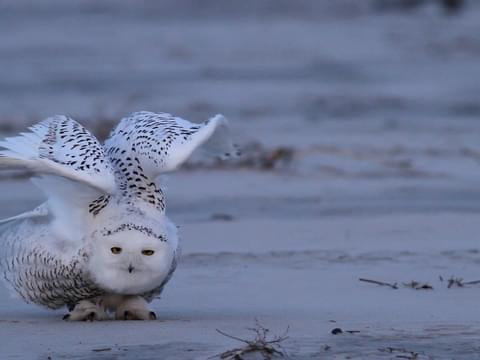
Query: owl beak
(130, 268)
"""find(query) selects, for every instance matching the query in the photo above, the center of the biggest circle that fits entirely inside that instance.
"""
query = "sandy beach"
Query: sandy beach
(360, 130)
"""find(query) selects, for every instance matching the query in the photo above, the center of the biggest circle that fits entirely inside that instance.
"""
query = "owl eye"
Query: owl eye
(116, 250)
(148, 252)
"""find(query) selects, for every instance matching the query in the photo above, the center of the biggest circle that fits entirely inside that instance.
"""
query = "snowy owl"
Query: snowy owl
(101, 243)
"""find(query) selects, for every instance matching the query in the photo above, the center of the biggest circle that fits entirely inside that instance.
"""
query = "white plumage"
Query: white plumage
(102, 240)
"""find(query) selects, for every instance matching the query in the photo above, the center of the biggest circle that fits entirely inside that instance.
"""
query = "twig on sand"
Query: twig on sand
(381, 283)
(260, 344)
(455, 282)
(452, 282)
(405, 354)
(458, 282)
(418, 285)
(475, 282)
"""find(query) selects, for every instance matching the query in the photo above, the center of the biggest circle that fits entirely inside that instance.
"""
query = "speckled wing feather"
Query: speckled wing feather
(69, 166)
(163, 142)
(62, 147)
(38, 272)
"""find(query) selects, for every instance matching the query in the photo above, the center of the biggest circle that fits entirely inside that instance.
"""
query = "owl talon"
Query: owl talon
(91, 316)
(134, 308)
(86, 310)
(139, 314)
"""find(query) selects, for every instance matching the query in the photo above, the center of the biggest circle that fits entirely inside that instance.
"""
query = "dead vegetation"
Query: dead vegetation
(418, 285)
(458, 282)
(381, 283)
(452, 282)
(401, 353)
(253, 156)
(260, 345)
(265, 159)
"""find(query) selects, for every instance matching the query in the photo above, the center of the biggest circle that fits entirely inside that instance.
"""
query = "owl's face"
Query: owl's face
(130, 259)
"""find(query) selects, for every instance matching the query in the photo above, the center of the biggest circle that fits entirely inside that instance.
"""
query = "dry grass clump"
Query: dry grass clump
(251, 156)
(260, 345)
(459, 282)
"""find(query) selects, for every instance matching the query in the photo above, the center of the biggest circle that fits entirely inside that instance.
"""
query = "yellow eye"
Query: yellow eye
(148, 252)
(116, 250)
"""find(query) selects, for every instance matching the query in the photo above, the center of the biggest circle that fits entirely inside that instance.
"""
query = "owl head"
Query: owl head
(131, 258)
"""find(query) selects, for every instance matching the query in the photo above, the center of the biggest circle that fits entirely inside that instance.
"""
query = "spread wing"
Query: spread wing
(162, 142)
(61, 147)
(68, 163)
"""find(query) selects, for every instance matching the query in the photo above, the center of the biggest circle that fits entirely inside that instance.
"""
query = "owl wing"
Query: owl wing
(168, 140)
(68, 164)
(39, 211)
(60, 146)
(39, 272)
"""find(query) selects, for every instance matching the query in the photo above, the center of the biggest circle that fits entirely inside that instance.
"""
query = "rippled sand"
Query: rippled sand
(376, 115)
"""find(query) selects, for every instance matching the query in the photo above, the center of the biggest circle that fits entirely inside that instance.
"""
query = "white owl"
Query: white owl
(101, 243)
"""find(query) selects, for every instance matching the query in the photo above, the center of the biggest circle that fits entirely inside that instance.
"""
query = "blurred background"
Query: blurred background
(373, 93)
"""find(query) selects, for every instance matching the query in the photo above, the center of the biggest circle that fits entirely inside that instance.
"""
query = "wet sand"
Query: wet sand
(379, 111)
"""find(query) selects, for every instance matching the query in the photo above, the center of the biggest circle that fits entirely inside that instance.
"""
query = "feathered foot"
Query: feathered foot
(87, 310)
(134, 308)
